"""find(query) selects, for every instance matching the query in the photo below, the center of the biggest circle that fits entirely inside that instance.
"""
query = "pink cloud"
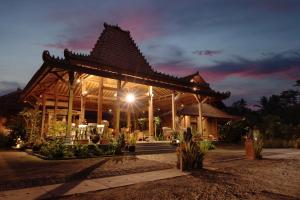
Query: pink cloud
(83, 33)
(284, 65)
(84, 43)
(142, 25)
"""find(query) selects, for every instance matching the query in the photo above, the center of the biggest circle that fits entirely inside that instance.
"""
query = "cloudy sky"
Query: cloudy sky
(248, 47)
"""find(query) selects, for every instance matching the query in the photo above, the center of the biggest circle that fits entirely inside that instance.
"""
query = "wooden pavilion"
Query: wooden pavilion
(101, 81)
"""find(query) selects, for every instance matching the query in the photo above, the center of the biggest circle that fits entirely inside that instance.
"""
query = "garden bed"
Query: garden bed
(59, 150)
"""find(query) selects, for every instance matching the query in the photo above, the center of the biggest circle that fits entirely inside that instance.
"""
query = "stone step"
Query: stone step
(154, 148)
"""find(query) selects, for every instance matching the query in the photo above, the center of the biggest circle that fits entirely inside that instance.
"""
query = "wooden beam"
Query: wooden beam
(59, 77)
(150, 111)
(96, 89)
(162, 82)
(43, 116)
(58, 104)
(100, 101)
(109, 88)
(124, 83)
(70, 104)
(204, 100)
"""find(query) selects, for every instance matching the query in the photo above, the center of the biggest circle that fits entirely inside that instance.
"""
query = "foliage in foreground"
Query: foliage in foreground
(192, 153)
(257, 144)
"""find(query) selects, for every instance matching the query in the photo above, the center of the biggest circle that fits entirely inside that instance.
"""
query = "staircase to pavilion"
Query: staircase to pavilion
(154, 147)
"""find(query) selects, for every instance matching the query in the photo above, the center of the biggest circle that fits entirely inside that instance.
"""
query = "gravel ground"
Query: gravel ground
(226, 175)
(235, 179)
(20, 170)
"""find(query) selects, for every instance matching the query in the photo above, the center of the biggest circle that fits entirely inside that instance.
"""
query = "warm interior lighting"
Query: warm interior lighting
(78, 81)
(130, 98)
(84, 92)
(194, 88)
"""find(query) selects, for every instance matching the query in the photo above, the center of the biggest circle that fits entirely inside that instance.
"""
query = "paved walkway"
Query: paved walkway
(75, 187)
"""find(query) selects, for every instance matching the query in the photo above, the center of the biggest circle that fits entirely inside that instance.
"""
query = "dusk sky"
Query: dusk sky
(250, 48)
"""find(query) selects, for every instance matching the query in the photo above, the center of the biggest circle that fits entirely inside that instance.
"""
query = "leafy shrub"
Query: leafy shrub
(207, 145)
(93, 150)
(37, 145)
(103, 147)
(109, 149)
(86, 150)
(80, 150)
(192, 154)
(132, 140)
(53, 149)
(160, 137)
(120, 143)
(112, 147)
(57, 128)
(258, 146)
(233, 131)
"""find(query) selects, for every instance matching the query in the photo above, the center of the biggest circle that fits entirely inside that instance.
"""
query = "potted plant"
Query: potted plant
(132, 142)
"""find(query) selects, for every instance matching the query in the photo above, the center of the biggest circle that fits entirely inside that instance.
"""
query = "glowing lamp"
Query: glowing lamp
(130, 98)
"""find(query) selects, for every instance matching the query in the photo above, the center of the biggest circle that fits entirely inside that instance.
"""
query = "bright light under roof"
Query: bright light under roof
(130, 98)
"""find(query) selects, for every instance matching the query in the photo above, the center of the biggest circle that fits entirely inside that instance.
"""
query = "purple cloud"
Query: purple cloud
(83, 33)
(285, 64)
(207, 52)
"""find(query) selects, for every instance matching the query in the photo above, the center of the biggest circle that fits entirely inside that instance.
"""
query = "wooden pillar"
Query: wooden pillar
(187, 121)
(82, 101)
(43, 116)
(173, 111)
(150, 111)
(129, 119)
(200, 126)
(49, 121)
(70, 104)
(100, 101)
(117, 109)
